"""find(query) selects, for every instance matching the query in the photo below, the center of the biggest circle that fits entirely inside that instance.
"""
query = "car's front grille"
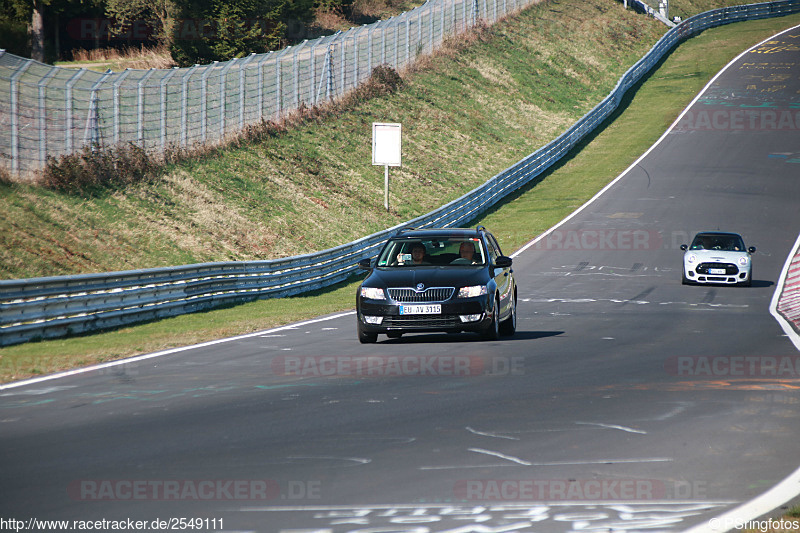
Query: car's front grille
(434, 294)
(730, 269)
(421, 321)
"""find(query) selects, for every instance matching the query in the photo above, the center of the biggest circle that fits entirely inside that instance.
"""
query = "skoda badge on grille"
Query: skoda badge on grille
(420, 287)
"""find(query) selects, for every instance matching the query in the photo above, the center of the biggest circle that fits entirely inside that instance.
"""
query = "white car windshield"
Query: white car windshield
(444, 251)
(711, 241)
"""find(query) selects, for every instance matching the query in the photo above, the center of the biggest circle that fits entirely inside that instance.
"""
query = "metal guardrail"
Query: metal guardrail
(57, 306)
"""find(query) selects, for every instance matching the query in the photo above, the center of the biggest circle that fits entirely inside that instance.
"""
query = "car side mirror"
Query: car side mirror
(365, 264)
(684, 247)
(502, 262)
(752, 249)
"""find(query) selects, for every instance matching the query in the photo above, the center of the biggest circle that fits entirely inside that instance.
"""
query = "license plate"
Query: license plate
(432, 309)
(716, 271)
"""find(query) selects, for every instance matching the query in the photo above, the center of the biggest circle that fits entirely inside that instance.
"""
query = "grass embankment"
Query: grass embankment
(467, 114)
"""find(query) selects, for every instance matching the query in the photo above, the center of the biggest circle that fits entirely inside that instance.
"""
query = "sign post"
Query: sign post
(386, 151)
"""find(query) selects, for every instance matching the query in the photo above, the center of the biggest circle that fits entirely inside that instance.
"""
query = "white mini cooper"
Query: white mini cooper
(717, 257)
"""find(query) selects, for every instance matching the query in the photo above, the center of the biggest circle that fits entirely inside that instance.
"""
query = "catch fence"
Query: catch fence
(48, 111)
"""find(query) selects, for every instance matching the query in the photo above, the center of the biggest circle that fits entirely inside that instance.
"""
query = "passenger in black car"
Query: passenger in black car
(418, 253)
(467, 253)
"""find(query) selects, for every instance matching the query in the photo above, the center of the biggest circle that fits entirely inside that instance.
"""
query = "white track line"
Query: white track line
(168, 352)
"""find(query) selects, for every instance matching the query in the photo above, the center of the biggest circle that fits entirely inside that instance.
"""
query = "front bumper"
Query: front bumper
(463, 314)
(712, 273)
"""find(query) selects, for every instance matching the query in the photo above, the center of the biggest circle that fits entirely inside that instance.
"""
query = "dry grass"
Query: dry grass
(116, 59)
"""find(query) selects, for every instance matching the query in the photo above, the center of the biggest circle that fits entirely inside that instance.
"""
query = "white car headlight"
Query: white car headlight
(471, 292)
(691, 258)
(743, 261)
(372, 293)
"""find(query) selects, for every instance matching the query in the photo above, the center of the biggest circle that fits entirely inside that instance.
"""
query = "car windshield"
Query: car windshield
(711, 241)
(444, 251)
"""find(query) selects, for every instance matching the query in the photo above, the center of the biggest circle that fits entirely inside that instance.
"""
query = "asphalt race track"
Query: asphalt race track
(625, 401)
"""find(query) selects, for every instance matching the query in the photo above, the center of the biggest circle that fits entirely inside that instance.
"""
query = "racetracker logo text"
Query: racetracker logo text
(191, 489)
(388, 366)
(601, 239)
(559, 489)
(734, 366)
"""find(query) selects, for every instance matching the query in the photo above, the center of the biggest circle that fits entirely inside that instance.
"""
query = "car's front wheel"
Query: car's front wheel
(492, 332)
(366, 337)
(509, 325)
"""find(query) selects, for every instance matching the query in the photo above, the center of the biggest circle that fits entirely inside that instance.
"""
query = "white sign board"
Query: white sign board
(386, 144)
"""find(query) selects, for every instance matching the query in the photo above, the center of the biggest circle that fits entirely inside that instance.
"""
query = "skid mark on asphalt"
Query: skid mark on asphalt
(499, 517)
(708, 304)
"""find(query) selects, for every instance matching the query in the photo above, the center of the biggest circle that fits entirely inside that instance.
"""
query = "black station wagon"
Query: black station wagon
(451, 279)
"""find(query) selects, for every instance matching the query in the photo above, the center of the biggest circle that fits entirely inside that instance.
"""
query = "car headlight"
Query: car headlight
(372, 293)
(691, 258)
(471, 292)
(743, 261)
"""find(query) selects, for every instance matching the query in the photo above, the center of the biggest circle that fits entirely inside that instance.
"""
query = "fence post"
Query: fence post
(242, 88)
(140, 106)
(296, 69)
(279, 83)
(222, 99)
(117, 83)
(43, 116)
(204, 100)
(185, 103)
(260, 67)
(383, 42)
(92, 126)
(329, 85)
(15, 115)
(369, 50)
(354, 38)
(431, 38)
(68, 108)
(163, 87)
(342, 63)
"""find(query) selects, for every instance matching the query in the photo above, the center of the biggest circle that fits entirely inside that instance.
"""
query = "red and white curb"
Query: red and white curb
(785, 306)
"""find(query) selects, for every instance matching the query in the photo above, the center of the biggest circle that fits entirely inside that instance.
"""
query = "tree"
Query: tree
(161, 14)
(36, 30)
(219, 30)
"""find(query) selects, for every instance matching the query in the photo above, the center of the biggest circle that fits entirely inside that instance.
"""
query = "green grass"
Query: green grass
(444, 131)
